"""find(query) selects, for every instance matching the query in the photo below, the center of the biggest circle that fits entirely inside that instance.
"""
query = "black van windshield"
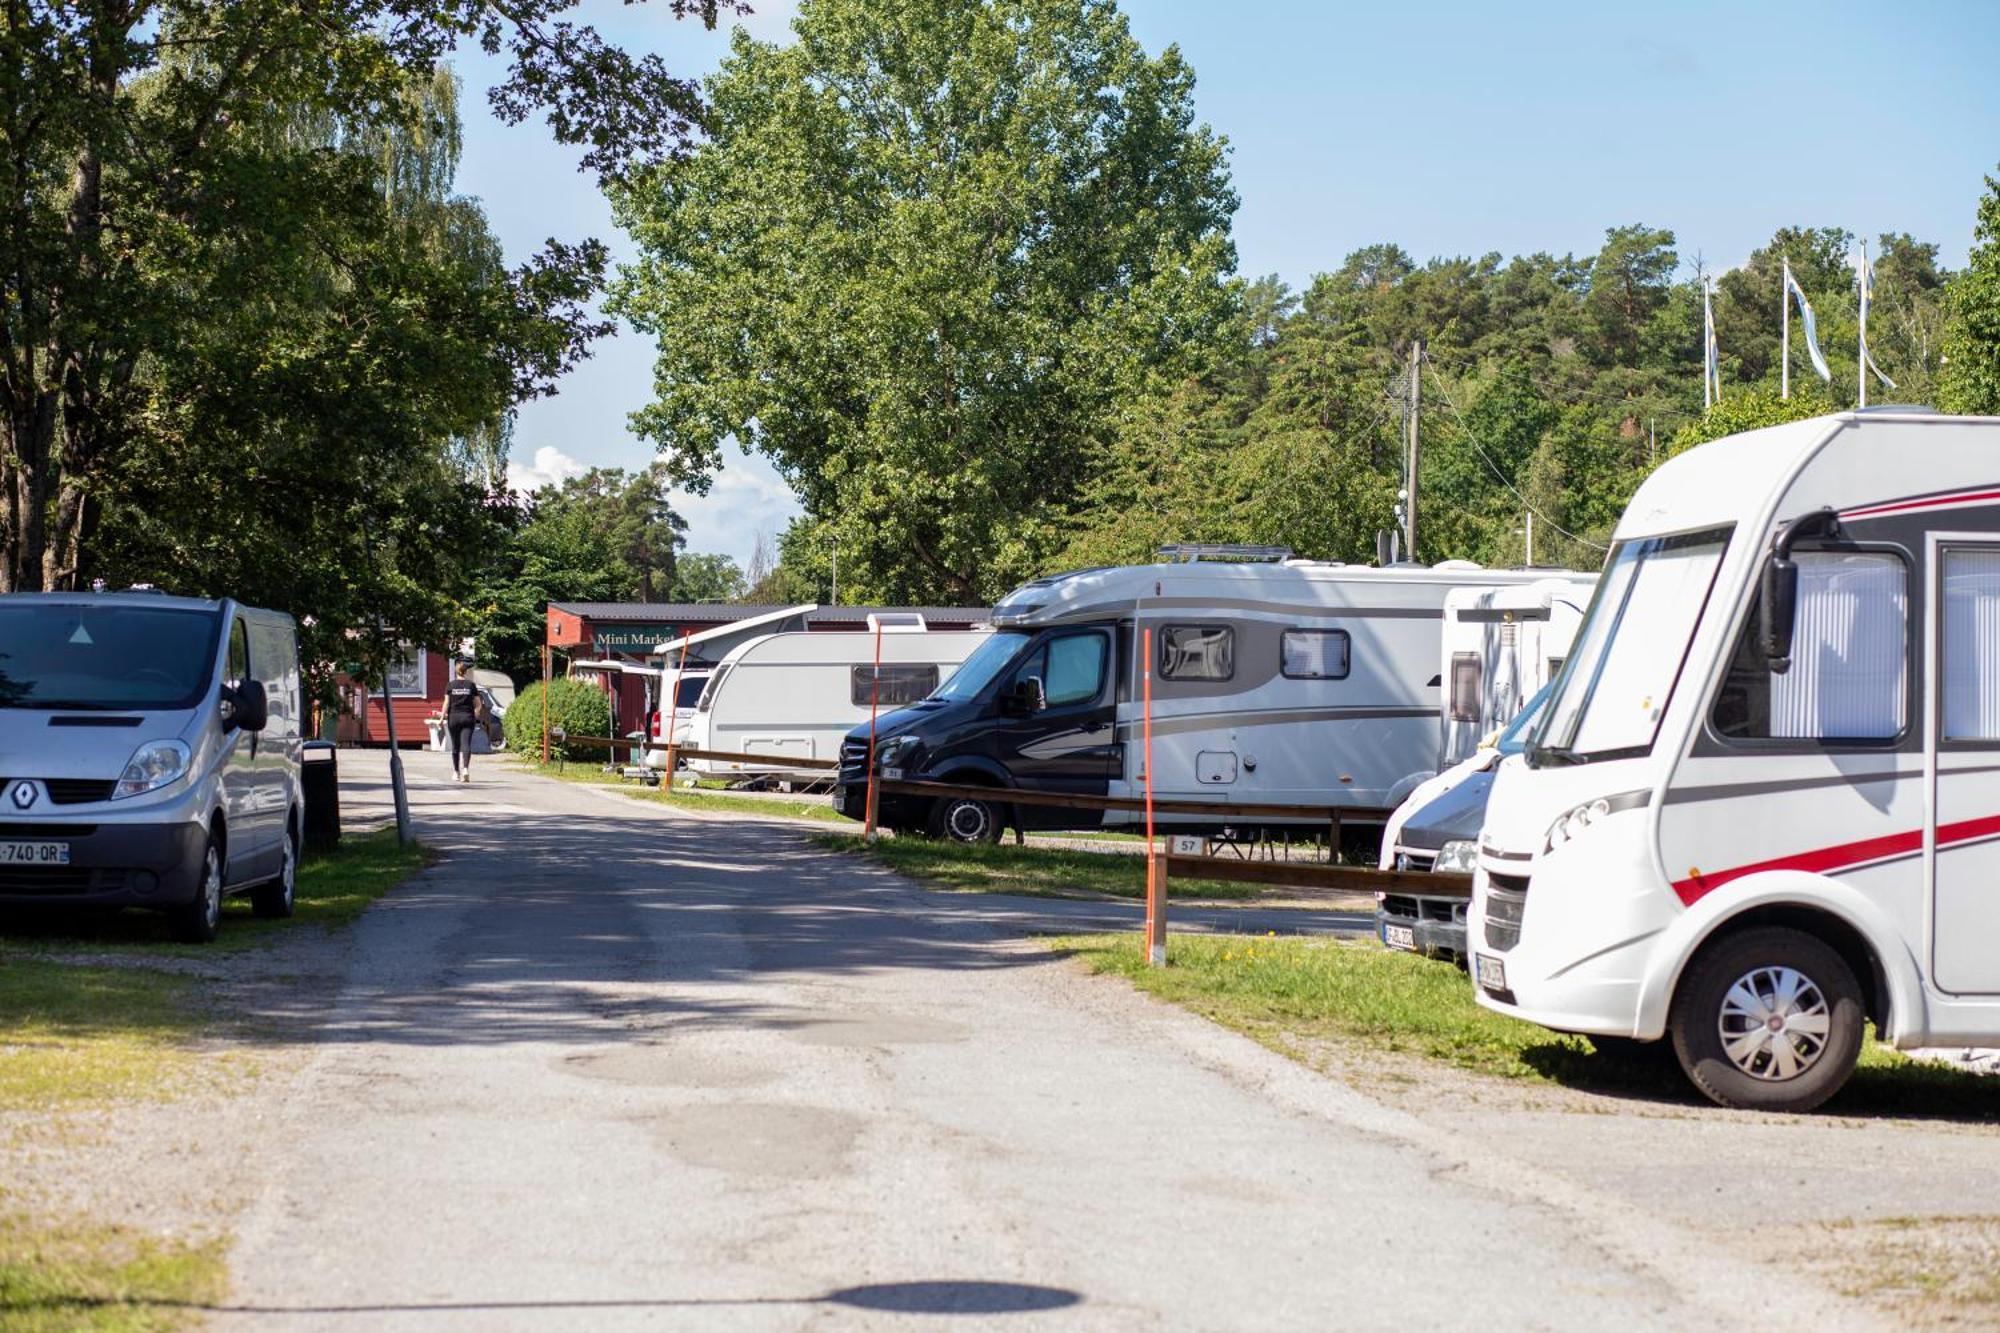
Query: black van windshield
(988, 660)
(75, 655)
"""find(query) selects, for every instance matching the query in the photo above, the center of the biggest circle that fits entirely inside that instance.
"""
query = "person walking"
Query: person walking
(461, 716)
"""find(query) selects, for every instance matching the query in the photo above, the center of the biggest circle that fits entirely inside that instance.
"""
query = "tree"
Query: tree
(708, 578)
(929, 250)
(1968, 379)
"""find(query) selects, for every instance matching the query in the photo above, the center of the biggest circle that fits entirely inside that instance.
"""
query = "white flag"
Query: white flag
(1711, 354)
(1812, 328)
(1867, 298)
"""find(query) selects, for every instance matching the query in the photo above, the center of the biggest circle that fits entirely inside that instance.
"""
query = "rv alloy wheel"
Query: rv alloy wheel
(1769, 1020)
(962, 819)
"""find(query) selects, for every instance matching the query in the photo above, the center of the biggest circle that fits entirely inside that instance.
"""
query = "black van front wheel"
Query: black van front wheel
(963, 819)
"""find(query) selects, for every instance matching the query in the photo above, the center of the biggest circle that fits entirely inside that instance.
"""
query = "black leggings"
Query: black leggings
(461, 742)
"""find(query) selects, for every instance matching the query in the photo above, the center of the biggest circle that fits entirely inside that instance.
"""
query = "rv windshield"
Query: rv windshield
(75, 655)
(1620, 676)
(988, 660)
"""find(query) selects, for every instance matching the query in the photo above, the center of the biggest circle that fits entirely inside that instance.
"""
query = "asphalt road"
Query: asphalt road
(611, 1067)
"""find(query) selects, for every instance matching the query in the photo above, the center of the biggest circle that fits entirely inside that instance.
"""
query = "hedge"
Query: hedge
(576, 708)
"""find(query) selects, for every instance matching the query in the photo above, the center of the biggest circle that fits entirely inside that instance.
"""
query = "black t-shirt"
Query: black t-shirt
(461, 701)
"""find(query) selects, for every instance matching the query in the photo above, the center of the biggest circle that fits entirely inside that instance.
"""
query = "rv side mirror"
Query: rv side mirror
(244, 706)
(1780, 601)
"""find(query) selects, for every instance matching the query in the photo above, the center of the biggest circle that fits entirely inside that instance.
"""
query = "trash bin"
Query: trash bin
(319, 783)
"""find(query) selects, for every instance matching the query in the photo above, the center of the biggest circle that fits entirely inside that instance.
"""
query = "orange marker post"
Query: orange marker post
(874, 704)
(670, 714)
(1156, 864)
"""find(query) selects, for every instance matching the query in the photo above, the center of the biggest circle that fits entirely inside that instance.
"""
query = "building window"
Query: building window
(1314, 654)
(1197, 652)
(405, 674)
(902, 684)
(1467, 677)
(1971, 657)
(1849, 675)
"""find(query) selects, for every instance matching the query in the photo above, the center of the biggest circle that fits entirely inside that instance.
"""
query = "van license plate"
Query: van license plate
(34, 853)
(892, 775)
(1400, 937)
(1492, 973)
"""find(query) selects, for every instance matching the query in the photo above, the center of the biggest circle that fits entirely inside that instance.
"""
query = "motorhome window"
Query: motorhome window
(1314, 654)
(1971, 656)
(63, 655)
(1467, 674)
(1070, 667)
(1197, 652)
(1631, 647)
(1849, 677)
(988, 660)
(902, 684)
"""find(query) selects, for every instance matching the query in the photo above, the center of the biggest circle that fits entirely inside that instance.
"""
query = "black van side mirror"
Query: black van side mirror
(1026, 698)
(1780, 592)
(245, 706)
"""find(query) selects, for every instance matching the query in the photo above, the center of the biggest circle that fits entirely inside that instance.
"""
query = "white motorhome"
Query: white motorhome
(1279, 681)
(1760, 806)
(796, 695)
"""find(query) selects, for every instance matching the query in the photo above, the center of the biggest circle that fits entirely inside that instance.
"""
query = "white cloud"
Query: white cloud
(552, 467)
(746, 498)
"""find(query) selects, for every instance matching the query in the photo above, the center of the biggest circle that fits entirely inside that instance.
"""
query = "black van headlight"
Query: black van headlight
(151, 767)
(896, 751)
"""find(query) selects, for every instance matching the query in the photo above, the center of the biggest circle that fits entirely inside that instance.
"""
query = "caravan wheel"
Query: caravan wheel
(962, 819)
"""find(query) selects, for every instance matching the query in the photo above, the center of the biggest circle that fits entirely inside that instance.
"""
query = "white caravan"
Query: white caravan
(1763, 802)
(1285, 682)
(797, 695)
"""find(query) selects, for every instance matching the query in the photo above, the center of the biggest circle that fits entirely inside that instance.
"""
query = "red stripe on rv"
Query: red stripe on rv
(1931, 502)
(1824, 860)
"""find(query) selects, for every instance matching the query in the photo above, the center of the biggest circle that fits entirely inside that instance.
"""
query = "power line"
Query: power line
(1498, 475)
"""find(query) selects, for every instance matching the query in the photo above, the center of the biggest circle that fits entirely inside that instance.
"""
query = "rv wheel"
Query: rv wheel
(962, 819)
(1768, 1020)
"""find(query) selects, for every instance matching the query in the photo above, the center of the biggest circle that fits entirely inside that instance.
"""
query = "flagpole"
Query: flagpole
(1861, 370)
(1785, 337)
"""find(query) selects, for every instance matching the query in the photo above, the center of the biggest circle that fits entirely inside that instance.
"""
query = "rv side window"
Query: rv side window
(1070, 667)
(1466, 676)
(1314, 654)
(902, 684)
(1197, 652)
(1849, 675)
(1971, 656)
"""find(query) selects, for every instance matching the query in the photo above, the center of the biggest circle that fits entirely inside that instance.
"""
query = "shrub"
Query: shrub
(574, 707)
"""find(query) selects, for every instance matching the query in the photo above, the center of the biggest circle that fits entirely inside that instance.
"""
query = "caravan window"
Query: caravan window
(902, 684)
(1314, 654)
(1849, 675)
(1971, 657)
(1197, 652)
(1467, 674)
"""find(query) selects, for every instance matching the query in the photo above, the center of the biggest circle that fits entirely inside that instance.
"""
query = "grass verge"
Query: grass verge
(99, 1277)
(1287, 991)
(1038, 872)
(75, 1036)
(333, 889)
(704, 797)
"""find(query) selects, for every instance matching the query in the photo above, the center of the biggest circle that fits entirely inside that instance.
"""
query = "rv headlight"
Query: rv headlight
(1572, 823)
(894, 751)
(1457, 858)
(151, 767)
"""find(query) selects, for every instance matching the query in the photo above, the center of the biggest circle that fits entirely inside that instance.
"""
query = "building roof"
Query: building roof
(669, 613)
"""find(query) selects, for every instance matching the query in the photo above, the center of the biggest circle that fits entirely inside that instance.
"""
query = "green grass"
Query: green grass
(333, 889)
(102, 1278)
(1043, 872)
(1288, 991)
(76, 1036)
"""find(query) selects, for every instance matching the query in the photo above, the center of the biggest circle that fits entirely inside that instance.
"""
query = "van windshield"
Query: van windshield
(75, 655)
(1515, 738)
(1620, 676)
(986, 662)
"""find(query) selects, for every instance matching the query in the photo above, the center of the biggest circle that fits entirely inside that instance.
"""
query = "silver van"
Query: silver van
(149, 755)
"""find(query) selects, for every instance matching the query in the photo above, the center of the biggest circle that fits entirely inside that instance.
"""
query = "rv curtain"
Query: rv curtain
(1848, 670)
(1971, 645)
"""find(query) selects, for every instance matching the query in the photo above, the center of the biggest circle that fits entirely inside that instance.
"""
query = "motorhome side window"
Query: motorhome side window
(1197, 652)
(1070, 667)
(1314, 654)
(1970, 661)
(901, 684)
(1849, 677)
(1466, 677)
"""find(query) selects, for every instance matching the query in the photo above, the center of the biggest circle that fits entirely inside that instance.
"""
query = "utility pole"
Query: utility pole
(1410, 464)
(1785, 331)
(836, 569)
(1531, 539)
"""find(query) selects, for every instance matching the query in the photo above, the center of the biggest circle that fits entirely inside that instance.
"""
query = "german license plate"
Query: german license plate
(34, 853)
(1400, 937)
(1492, 973)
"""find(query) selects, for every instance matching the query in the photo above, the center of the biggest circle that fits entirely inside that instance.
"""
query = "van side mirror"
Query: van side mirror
(245, 706)
(1026, 698)
(1780, 591)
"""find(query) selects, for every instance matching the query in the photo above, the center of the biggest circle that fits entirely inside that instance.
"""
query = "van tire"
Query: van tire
(198, 920)
(963, 819)
(1735, 981)
(277, 899)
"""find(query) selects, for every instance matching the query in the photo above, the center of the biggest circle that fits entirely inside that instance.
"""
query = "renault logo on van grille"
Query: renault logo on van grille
(23, 795)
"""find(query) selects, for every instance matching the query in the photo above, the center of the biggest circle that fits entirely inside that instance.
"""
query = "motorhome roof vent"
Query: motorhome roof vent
(897, 622)
(1189, 552)
(1458, 564)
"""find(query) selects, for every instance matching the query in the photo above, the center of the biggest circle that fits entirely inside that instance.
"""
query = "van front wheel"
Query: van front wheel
(1768, 1020)
(962, 819)
(198, 920)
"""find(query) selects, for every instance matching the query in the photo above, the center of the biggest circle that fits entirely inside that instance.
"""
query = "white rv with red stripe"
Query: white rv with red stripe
(1763, 802)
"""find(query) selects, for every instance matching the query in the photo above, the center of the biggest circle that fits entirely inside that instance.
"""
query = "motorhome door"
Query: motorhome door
(1962, 840)
(1070, 745)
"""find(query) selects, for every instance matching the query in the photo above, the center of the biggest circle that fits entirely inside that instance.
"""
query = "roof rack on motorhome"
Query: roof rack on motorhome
(1189, 552)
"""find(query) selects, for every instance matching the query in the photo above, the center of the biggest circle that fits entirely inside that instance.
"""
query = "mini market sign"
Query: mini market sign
(629, 637)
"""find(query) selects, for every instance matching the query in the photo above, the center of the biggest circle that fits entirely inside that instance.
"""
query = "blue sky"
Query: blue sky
(1450, 128)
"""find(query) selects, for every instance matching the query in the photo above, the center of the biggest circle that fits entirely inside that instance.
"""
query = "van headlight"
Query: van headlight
(151, 767)
(893, 752)
(1457, 858)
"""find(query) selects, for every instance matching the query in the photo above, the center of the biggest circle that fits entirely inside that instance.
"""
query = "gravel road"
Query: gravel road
(609, 1066)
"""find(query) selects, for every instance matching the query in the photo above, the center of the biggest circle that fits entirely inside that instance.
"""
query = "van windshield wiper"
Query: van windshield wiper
(1556, 756)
